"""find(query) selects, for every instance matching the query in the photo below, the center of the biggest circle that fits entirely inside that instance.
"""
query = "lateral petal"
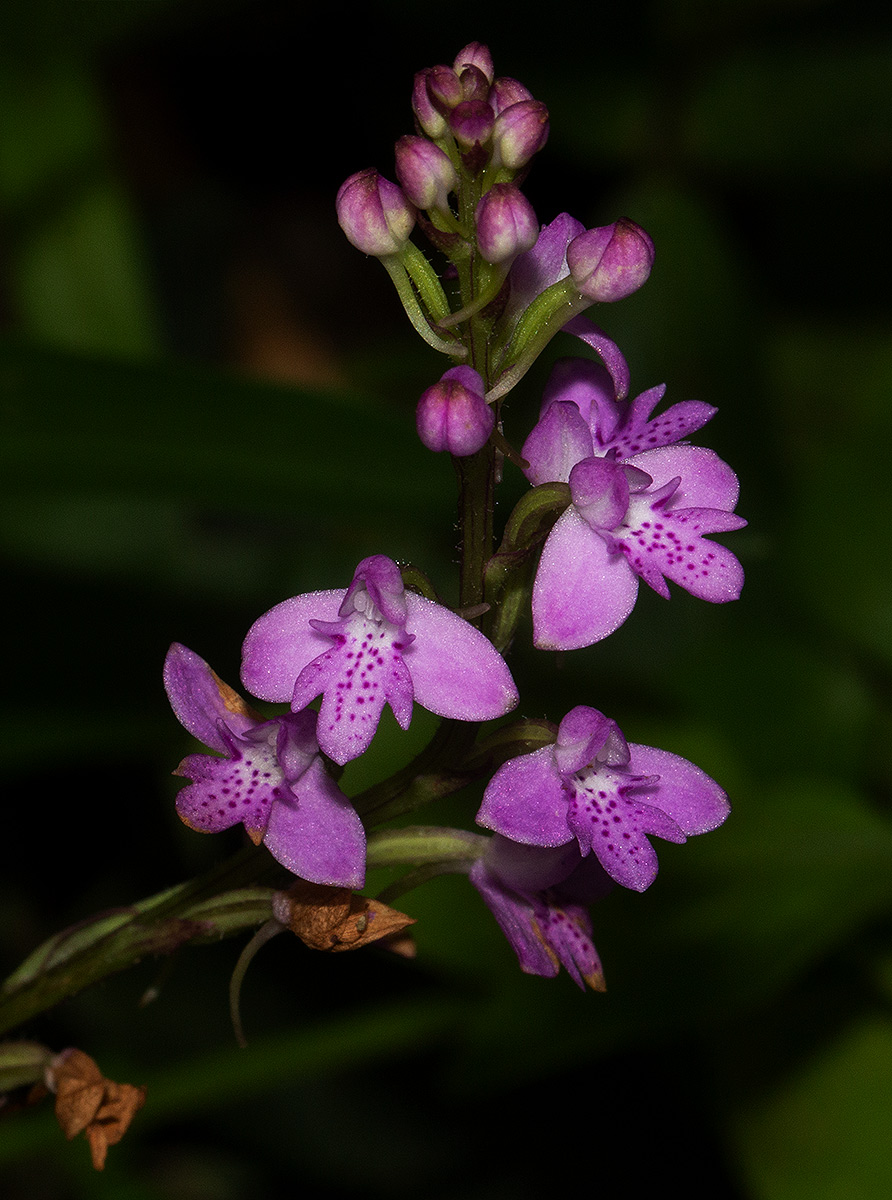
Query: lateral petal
(456, 671)
(525, 801)
(583, 591)
(281, 643)
(685, 793)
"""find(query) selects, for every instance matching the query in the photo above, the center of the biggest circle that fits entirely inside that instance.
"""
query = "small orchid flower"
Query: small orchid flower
(271, 778)
(581, 416)
(369, 645)
(539, 897)
(594, 789)
(644, 518)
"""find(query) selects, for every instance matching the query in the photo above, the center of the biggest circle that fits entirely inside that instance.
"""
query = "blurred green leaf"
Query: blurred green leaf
(179, 474)
(824, 109)
(825, 1132)
(836, 383)
(76, 274)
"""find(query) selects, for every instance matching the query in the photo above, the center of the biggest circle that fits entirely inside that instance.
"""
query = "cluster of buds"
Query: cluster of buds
(617, 497)
(517, 283)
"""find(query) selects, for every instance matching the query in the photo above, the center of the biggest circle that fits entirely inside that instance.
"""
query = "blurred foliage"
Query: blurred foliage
(206, 403)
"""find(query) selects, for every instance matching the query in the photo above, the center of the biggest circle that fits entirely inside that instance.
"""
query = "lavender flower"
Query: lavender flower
(593, 787)
(370, 645)
(644, 518)
(582, 416)
(539, 269)
(271, 778)
(611, 262)
(538, 897)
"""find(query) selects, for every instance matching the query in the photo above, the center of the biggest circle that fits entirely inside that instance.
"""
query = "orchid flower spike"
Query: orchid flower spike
(539, 898)
(594, 790)
(271, 778)
(369, 645)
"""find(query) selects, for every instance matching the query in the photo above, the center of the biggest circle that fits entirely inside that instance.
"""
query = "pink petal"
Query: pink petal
(316, 833)
(582, 591)
(685, 793)
(556, 444)
(194, 693)
(456, 671)
(281, 643)
(525, 801)
(706, 481)
(357, 678)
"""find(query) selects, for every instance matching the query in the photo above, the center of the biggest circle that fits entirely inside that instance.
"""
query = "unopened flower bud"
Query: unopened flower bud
(452, 415)
(506, 224)
(374, 213)
(475, 54)
(426, 174)
(444, 88)
(612, 261)
(474, 84)
(430, 119)
(471, 123)
(520, 132)
(505, 92)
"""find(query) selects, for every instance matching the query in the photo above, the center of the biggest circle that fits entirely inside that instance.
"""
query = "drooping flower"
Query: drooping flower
(601, 795)
(539, 898)
(271, 778)
(369, 645)
(582, 416)
(644, 518)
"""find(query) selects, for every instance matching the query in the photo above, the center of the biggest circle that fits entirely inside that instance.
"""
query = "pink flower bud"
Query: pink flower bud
(374, 213)
(444, 88)
(426, 174)
(520, 132)
(612, 261)
(430, 119)
(505, 92)
(475, 54)
(452, 415)
(474, 84)
(471, 123)
(506, 224)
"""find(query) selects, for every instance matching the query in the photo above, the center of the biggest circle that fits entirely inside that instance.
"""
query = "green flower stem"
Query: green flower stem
(205, 909)
(422, 845)
(406, 292)
(431, 774)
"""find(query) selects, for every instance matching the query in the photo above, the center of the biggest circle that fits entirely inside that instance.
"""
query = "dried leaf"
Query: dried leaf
(334, 919)
(87, 1102)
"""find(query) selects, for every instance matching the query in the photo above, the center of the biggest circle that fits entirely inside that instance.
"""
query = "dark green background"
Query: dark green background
(167, 173)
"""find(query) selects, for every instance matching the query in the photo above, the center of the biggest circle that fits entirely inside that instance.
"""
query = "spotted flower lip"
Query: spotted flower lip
(593, 788)
(538, 897)
(370, 645)
(271, 778)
